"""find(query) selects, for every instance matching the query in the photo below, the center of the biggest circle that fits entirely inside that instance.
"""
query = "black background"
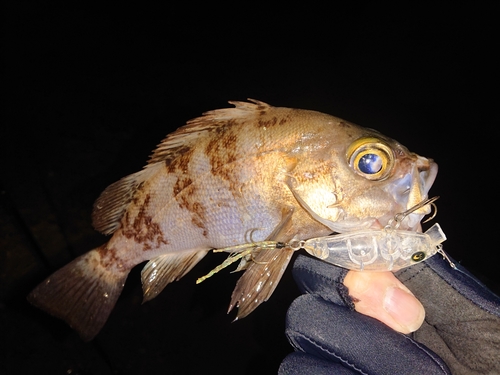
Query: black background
(90, 91)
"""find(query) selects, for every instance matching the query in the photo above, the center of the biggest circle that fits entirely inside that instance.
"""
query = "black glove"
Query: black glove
(460, 334)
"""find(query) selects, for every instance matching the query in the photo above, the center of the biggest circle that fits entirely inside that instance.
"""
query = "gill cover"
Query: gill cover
(335, 226)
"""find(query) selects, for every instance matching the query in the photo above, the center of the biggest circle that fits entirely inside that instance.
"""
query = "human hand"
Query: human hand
(383, 297)
(334, 338)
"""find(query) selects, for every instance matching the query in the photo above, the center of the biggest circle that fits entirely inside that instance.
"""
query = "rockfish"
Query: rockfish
(230, 177)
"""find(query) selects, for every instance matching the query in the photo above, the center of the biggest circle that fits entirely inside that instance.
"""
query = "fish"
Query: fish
(245, 174)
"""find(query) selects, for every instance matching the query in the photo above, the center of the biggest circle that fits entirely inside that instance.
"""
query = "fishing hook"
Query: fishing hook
(399, 217)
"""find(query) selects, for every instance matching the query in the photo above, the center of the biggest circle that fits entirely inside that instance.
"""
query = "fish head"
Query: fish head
(371, 179)
(386, 179)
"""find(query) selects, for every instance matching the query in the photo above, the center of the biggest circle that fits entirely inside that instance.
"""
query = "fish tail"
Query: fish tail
(82, 293)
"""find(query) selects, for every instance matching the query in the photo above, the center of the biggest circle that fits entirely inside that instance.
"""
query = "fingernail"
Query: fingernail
(404, 308)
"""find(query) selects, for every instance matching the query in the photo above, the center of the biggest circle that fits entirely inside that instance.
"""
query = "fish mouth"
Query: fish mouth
(410, 223)
(411, 218)
(410, 194)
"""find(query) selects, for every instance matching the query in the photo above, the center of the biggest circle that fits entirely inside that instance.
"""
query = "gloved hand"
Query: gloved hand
(460, 333)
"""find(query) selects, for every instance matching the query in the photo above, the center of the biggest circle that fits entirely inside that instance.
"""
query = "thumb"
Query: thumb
(383, 297)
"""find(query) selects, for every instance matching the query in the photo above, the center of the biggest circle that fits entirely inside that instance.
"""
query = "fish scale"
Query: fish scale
(233, 176)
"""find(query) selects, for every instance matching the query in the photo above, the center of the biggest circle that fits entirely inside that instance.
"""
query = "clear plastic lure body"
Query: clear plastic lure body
(387, 249)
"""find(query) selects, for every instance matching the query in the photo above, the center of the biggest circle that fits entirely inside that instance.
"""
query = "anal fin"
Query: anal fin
(164, 269)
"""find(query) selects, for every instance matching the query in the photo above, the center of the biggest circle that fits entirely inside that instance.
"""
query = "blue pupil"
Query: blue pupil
(370, 163)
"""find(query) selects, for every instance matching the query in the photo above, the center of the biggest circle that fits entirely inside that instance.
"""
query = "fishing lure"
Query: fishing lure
(387, 249)
(375, 250)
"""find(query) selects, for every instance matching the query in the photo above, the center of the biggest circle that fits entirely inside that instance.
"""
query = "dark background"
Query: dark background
(91, 90)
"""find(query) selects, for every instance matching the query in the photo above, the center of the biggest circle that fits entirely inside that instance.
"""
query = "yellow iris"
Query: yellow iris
(371, 158)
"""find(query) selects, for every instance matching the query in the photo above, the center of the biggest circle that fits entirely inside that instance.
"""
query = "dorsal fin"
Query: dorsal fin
(185, 137)
(114, 200)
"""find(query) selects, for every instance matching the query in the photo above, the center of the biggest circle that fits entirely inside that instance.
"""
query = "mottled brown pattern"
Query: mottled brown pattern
(222, 152)
(285, 119)
(213, 146)
(184, 198)
(199, 210)
(108, 257)
(187, 201)
(223, 155)
(267, 123)
(136, 197)
(196, 221)
(143, 229)
(181, 184)
(181, 162)
(344, 125)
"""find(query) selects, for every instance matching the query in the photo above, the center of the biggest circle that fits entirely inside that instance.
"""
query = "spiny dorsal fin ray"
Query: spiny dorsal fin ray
(164, 269)
(185, 137)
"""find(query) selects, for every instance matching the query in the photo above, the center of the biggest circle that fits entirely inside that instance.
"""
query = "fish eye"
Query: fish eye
(371, 158)
(418, 256)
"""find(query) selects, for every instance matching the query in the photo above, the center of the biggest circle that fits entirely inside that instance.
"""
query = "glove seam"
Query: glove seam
(325, 350)
(428, 352)
(476, 283)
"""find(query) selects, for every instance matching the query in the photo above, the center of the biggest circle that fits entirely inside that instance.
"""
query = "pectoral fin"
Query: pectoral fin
(263, 272)
(259, 280)
(164, 269)
(286, 215)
